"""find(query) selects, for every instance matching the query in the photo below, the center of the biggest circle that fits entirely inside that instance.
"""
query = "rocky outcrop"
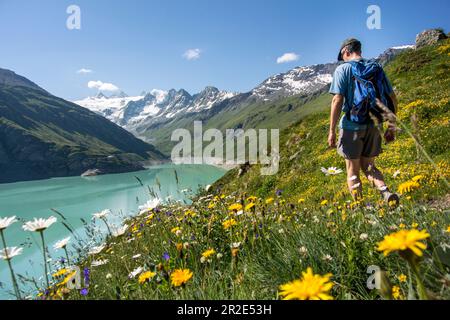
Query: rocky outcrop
(430, 37)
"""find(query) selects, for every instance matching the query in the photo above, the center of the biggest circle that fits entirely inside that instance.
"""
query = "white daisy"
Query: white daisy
(117, 232)
(61, 244)
(102, 214)
(98, 263)
(364, 236)
(149, 205)
(96, 250)
(135, 272)
(9, 253)
(331, 171)
(39, 225)
(6, 222)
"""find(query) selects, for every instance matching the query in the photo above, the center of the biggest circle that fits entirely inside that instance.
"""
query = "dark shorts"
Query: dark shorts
(353, 145)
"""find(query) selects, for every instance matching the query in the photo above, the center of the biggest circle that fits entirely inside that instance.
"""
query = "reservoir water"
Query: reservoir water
(78, 198)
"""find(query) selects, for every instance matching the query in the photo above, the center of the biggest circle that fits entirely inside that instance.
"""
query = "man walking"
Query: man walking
(360, 90)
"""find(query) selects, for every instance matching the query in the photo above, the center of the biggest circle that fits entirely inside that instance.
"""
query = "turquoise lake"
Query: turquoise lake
(78, 198)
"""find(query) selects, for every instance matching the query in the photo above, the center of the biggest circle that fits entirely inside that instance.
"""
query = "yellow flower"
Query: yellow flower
(235, 207)
(402, 278)
(180, 277)
(208, 253)
(324, 203)
(448, 229)
(396, 292)
(404, 240)
(252, 199)
(309, 287)
(250, 206)
(418, 178)
(60, 273)
(414, 225)
(229, 223)
(68, 278)
(179, 246)
(175, 230)
(402, 226)
(408, 187)
(301, 200)
(146, 276)
(270, 200)
(211, 205)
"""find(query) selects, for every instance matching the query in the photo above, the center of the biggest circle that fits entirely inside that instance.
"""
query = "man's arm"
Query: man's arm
(336, 109)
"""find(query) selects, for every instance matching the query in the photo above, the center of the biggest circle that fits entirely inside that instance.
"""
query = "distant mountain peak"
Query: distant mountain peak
(121, 94)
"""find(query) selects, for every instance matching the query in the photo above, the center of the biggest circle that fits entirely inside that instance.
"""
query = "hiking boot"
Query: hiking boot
(392, 199)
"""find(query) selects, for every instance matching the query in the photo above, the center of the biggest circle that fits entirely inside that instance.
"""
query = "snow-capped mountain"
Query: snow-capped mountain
(151, 110)
(298, 81)
(154, 106)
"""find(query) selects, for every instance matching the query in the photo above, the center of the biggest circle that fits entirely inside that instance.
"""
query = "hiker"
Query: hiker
(362, 91)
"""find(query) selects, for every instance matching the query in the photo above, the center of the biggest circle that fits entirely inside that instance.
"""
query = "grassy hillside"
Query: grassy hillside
(264, 115)
(42, 136)
(252, 237)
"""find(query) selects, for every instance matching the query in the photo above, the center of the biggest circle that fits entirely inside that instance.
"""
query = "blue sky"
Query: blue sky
(139, 45)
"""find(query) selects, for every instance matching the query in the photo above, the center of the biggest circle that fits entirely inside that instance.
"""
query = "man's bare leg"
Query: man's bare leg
(372, 173)
(353, 178)
(376, 178)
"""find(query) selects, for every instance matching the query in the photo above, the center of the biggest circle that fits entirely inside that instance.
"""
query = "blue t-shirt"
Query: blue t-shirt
(343, 84)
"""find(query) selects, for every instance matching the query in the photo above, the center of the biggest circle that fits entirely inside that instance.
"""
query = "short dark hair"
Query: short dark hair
(354, 47)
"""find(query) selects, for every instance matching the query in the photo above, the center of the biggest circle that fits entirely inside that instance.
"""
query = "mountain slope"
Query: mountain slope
(43, 136)
(422, 82)
(275, 103)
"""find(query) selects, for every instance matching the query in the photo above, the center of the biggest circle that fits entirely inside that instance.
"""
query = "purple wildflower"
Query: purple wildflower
(166, 256)
(84, 292)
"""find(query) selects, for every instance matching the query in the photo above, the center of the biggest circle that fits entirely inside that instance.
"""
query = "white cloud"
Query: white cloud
(288, 57)
(84, 71)
(192, 54)
(102, 86)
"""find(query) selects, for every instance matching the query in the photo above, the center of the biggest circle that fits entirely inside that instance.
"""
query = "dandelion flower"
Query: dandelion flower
(396, 292)
(38, 225)
(250, 206)
(270, 200)
(404, 240)
(408, 186)
(208, 253)
(235, 207)
(229, 223)
(309, 287)
(60, 273)
(61, 244)
(180, 277)
(146, 276)
(332, 171)
(418, 178)
(402, 278)
(6, 222)
(9, 253)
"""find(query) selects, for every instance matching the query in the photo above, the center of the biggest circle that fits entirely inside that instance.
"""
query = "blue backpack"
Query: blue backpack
(370, 84)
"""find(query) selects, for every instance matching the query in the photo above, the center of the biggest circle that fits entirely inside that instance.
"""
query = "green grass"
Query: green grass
(311, 222)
